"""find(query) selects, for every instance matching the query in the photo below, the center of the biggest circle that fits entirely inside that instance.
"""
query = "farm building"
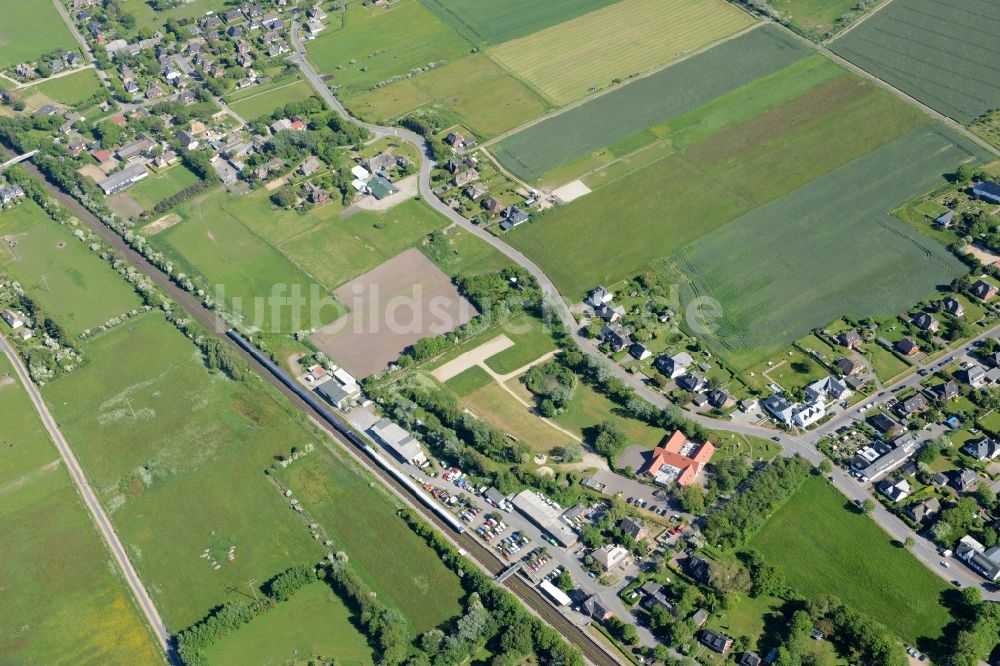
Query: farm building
(987, 191)
(398, 441)
(127, 177)
(341, 397)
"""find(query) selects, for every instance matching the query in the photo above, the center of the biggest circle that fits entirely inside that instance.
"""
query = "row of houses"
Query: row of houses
(813, 409)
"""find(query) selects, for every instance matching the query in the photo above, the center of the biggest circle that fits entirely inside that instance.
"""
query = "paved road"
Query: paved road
(92, 503)
(84, 46)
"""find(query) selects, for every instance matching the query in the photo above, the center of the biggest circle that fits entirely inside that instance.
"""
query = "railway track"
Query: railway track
(595, 652)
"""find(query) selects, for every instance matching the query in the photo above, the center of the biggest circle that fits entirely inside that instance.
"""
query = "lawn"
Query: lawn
(376, 44)
(944, 54)
(885, 364)
(263, 104)
(216, 243)
(865, 264)
(398, 565)
(582, 130)
(337, 251)
(685, 196)
(524, 330)
(30, 29)
(588, 408)
(63, 599)
(496, 407)
(177, 457)
(790, 370)
(484, 97)
(156, 187)
(72, 89)
(498, 21)
(823, 547)
(570, 60)
(468, 381)
(313, 623)
(462, 253)
(65, 279)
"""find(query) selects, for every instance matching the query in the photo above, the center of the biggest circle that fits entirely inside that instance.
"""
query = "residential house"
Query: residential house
(698, 568)
(952, 306)
(882, 423)
(699, 617)
(947, 391)
(76, 146)
(599, 296)
(987, 191)
(676, 460)
(609, 556)
(165, 159)
(692, 383)
(907, 347)
(14, 320)
(984, 449)
(895, 491)
(850, 339)
(617, 337)
(715, 641)
(492, 205)
(848, 367)
(985, 562)
(974, 375)
(748, 659)
(639, 351)
(187, 140)
(463, 178)
(965, 481)
(720, 399)
(920, 511)
(476, 191)
(512, 217)
(455, 139)
(674, 366)
(594, 607)
(913, 405)
(316, 194)
(983, 290)
(634, 527)
(925, 322)
(828, 386)
(134, 148)
(608, 313)
(309, 166)
(945, 219)
(452, 165)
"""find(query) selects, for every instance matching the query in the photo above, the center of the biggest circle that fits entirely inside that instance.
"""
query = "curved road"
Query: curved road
(92, 503)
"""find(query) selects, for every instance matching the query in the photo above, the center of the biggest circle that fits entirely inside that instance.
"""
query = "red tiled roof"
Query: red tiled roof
(668, 453)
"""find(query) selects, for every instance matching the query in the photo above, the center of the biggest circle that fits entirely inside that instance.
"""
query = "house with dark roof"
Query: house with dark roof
(492, 205)
(882, 423)
(639, 351)
(616, 336)
(952, 306)
(925, 322)
(966, 481)
(985, 562)
(698, 568)
(987, 191)
(634, 527)
(983, 290)
(674, 366)
(594, 607)
(748, 659)
(907, 347)
(715, 641)
(850, 339)
(947, 391)
(692, 383)
(913, 405)
(848, 367)
(720, 399)
(924, 509)
(512, 217)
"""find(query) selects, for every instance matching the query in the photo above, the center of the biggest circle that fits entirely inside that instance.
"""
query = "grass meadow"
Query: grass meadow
(63, 599)
(813, 16)
(463, 254)
(677, 200)
(72, 89)
(832, 250)
(375, 44)
(398, 565)
(479, 93)
(262, 104)
(653, 101)
(313, 623)
(944, 54)
(61, 275)
(30, 29)
(158, 186)
(823, 547)
(146, 16)
(568, 61)
(496, 22)
(177, 456)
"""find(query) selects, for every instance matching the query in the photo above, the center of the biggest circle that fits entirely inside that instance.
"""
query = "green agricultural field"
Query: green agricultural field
(496, 21)
(60, 274)
(263, 104)
(645, 102)
(815, 17)
(340, 250)
(398, 565)
(569, 60)
(28, 30)
(63, 599)
(220, 247)
(383, 44)
(823, 547)
(156, 187)
(146, 16)
(483, 97)
(72, 89)
(831, 249)
(177, 456)
(942, 53)
(684, 196)
(313, 623)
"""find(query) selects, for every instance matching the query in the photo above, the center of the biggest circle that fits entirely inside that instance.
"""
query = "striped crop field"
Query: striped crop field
(572, 59)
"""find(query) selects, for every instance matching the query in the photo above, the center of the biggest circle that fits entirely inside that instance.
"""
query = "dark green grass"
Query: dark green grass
(468, 381)
(495, 21)
(823, 547)
(945, 54)
(826, 250)
(647, 101)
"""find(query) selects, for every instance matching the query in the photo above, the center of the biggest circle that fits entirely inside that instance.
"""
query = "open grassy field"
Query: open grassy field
(469, 381)
(60, 274)
(823, 547)
(684, 196)
(374, 44)
(944, 54)
(177, 456)
(653, 99)
(496, 407)
(217, 243)
(502, 20)
(461, 253)
(831, 249)
(145, 15)
(814, 16)
(529, 335)
(30, 29)
(313, 623)
(263, 104)
(588, 408)
(398, 565)
(156, 187)
(63, 600)
(484, 97)
(569, 60)
(71, 89)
